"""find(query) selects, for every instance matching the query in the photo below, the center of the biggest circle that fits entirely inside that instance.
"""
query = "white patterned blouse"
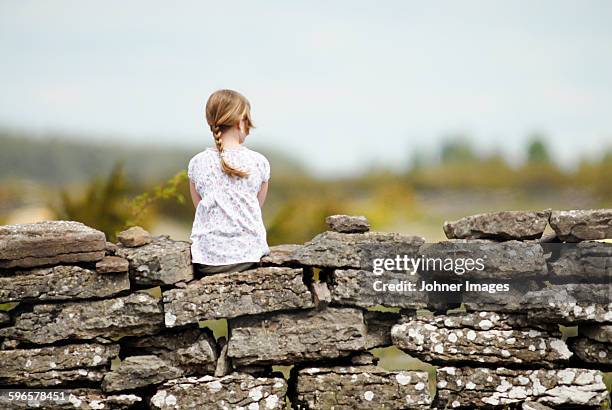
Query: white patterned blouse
(228, 227)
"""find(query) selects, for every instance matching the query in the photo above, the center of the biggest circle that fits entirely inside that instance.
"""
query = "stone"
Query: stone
(362, 288)
(224, 364)
(5, 319)
(502, 225)
(347, 224)
(378, 326)
(192, 350)
(281, 255)
(487, 337)
(74, 399)
(509, 301)
(590, 351)
(583, 262)
(56, 365)
(320, 293)
(233, 391)
(599, 333)
(49, 243)
(500, 387)
(228, 295)
(529, 405)
(288, 338)
(161, 262)
(355, 250)
(111, 248)
(134, 237)
(570, 304)
(582, 225)
(361, 387)
(139, 371)
(112, 264)
(134, 315)
(363, 359)
(64, 282)
(498, 260)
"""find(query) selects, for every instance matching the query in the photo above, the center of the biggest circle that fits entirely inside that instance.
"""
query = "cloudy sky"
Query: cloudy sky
(341, 85)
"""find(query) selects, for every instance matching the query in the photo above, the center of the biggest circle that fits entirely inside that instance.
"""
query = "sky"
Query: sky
(342, 86)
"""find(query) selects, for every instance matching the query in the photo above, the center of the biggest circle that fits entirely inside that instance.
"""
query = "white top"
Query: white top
(228, 227)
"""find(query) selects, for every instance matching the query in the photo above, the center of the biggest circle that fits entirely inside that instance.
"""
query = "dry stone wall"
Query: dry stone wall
(85, 319)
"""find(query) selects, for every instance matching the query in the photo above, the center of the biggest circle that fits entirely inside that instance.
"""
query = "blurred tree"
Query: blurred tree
(101, 206)
(457, 150)
(537, 151)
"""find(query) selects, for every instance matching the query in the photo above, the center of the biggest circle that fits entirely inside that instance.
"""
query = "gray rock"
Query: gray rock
(233, 391)
(224, 364)
(194, 351)
(111, 248)
(570, 304)
(591, 351)
(354, 250)
(499, 260)
(378, 326)
(60, 283)
(361, 387)
(134, 315)
(599, 333)
(5, 319)
(134, 237)
(139, 371)
(364, 359)
(530, 405)
(583, 262)
(347, 223)
(56, 365)
(281, 255)
(161, 262)
(75, 399)
(484, 387)
(582, 225)
(499, 225)
(229, 295)
(321, 295)
(111, 264)
(352, 287)
(287, 338)
(49, 243)
(509, 301)
(483, 337)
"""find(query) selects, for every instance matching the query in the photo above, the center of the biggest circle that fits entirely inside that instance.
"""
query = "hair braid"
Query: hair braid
(228, 169)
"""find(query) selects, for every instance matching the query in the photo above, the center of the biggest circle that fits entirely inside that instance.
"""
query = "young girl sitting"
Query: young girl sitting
(228, 186)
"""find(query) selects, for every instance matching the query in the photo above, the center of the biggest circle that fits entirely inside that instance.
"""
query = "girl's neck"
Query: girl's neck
(231, 139)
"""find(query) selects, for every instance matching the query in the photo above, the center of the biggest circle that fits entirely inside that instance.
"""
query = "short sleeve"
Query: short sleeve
(265, 166)
(191, 169)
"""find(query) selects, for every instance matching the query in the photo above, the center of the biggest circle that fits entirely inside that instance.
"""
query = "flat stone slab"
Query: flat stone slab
(502, 225)
(59, 283)
(112, 264)
(281, 255)
(347, 223)
(77, 399)
(355, 250)
(134, 236)
(583, 262)
(361, 387)
(133, 315)
(230, 295)
(139, 371)
(378, 327)
(479, 337)
(591, 351)
(56, 365)
(582, 225)
(287, 338)
(598, 333)
(234, 391)
(49, 243)
(194, 351)
(161, 262)
(362, 288)
(484, 387)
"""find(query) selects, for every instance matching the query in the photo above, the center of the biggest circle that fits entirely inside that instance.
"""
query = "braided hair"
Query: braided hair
(225, 109)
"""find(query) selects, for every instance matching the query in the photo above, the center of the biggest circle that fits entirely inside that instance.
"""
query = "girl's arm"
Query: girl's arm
(195, 197)
(261, 195)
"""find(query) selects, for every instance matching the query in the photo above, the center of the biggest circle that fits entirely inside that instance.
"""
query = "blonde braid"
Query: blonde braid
(228, 169)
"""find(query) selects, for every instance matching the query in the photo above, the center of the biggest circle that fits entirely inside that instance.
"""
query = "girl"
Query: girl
(228, 186)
